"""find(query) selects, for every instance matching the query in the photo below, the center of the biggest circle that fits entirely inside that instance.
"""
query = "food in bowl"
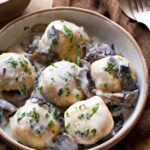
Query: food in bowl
(17, 77)
(83, 91)
(34, 124)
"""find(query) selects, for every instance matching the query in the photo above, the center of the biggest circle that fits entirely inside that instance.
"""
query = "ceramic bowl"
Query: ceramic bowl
(96, 25)
(10, 9)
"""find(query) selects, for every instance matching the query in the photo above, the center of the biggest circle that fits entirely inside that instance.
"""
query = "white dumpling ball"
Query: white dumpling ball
(59, 83)
(88, 121)
(34, 125)
(16, 73)
(64, 38)
(105, 73)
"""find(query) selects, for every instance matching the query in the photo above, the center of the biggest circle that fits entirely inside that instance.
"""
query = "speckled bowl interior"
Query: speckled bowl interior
(98, 26)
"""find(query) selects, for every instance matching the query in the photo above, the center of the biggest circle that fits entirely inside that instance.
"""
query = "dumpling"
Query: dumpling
(88, 121)
(16, 73)
(59, 83)
(108, 73)
(34, 125)
(64, 38)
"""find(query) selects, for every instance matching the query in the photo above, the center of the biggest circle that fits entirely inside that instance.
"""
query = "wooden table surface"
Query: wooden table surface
(139, 143)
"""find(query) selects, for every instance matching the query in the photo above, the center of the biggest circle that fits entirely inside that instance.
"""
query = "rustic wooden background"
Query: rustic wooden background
(139, 137)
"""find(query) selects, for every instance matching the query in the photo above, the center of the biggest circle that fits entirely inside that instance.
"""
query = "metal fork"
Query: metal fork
(141, 11)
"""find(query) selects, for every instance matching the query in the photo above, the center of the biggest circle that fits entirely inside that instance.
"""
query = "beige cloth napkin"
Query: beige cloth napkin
(139, 137)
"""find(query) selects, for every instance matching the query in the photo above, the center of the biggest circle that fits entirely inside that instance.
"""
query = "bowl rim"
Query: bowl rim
(120, 135)
(5, 2)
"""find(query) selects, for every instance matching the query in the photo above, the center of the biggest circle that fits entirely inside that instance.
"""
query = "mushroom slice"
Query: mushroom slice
(44, 58)
(115, 98)
(98, 51)
(65, 142)
(82, 76)
(6, 109)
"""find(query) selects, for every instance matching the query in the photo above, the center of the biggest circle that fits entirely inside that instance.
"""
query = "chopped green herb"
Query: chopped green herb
(69, 33)
(34, 114)
(73, 66)
(60, 92)
(40, 89)
(50, 123)
(67, 127)
(81, 116)
(78, 97)
(93, 131)
(64, 78)
(54, 65)
(95, 108)
(24, 65)
(110, 67)
(129, 76)
(78, 58)
(23, 89)
(54, 115)
(61, 20)
(89, 115)
(67, 114)
(13, 63)
(82, 106)
(47, 115)
(21, 117)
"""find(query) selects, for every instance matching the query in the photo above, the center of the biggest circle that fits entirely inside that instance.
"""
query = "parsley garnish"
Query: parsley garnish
(34, 114)
(13, 63)
(64, 78)
(78, 97)
(21, 117)
(93, 131)
(54, 65)
(82, 106)
(46, 115)
(95, 108)
(69, 33)
(24, 65)
(81, 116)
(73, 66)
(129, 76)
(40, 89)
(67, 114)
(50, 123)
(23, 89)
(110, 67)
(67, 127)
